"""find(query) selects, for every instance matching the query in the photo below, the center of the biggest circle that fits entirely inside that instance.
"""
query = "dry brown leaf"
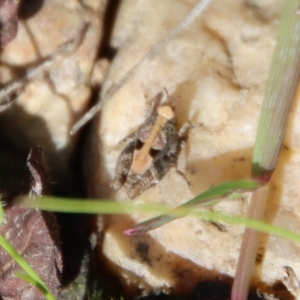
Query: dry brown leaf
(35, 235)
(28, 231)
(8, 21)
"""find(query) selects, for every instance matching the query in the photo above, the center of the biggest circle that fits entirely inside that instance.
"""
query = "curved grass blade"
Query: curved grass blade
(109, 207)
(230, 189)
(33, 282)
(32, 277)
(258, 225)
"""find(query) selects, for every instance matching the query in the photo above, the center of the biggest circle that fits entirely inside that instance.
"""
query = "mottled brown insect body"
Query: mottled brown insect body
(150, 152)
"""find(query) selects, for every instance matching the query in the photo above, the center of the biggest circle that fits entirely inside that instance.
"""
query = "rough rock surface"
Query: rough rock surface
(218, 66)
(47, 107)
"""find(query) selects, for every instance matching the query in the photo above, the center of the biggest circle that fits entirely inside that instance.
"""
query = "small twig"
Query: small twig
(198, 9)
(13, 87)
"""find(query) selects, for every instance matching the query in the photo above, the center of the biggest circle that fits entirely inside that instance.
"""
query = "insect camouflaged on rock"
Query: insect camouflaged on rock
(151, 151)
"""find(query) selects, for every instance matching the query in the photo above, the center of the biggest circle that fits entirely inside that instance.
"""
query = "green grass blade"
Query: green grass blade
(84, 206)
(208, 198)
(279, 94)
(231, 189)
(261, 226)
(33, 282)
(110, 207)
(223, 190)
(31, 275)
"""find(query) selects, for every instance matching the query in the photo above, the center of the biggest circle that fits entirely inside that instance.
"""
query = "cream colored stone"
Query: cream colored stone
(218, 66)
(46, 109)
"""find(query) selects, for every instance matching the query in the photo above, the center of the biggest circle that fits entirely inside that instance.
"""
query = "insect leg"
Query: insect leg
(127, 139)
(123, 165)
(184, 129)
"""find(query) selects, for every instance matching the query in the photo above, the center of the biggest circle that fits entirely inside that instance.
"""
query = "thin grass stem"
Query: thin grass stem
(279, 94)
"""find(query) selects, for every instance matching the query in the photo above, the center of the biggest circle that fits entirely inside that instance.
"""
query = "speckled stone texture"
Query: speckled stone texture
(218, 68)
(47, 107)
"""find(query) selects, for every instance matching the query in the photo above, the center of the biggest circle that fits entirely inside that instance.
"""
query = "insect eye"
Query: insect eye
(154, 152)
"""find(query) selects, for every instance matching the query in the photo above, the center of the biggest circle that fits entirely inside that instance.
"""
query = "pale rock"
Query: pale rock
(218, 66)
(48, 106)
